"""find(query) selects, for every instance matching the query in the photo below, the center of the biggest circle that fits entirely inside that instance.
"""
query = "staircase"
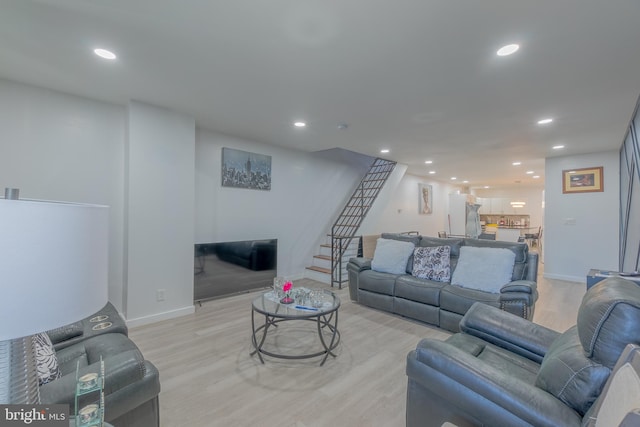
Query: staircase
(321, 268)
(340, 248)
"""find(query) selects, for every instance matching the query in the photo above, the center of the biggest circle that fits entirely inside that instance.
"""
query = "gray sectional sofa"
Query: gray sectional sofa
(442, 303)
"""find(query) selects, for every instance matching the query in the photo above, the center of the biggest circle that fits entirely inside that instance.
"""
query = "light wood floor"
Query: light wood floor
(209, 379)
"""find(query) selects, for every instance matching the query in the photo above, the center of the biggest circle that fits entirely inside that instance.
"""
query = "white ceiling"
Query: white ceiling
(419, 77)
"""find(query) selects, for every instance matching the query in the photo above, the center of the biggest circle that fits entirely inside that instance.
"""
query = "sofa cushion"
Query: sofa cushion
(375, 281)
(485, 269)
(453, 243)
(608, 319)
(457, 299)
(391, 256)
(515, 365)
(420, 290)
(432, 263)
(569, 375)
(46, 360)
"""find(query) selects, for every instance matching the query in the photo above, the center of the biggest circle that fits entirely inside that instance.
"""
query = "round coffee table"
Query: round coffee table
(274, 312)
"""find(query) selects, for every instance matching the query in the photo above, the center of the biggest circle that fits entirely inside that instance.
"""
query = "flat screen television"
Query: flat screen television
(227, 268)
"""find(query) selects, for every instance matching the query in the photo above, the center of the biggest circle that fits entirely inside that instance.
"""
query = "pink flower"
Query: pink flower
(287, 286)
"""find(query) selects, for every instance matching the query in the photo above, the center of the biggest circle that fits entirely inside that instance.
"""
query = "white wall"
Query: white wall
(397, 207)
(581, 229)
(160, 172)
(307, 191)
(61, 147)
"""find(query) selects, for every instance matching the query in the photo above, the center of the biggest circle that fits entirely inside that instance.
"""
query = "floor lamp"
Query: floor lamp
(53, 270)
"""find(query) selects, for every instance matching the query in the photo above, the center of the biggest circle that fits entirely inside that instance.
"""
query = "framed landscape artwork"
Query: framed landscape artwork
(425, 199)
(242, 169)
(582, 180)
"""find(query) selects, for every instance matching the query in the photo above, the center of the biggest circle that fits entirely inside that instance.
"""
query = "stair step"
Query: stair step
(325, 257)
(319, 269)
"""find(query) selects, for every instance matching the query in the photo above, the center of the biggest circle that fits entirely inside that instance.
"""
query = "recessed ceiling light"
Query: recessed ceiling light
(104, 53)
(486, 186)
(384, 150)
(432, 172)
(545, 121)
(465, 182)
(536, 176)
(300, 124)
(529, 172)
(508, 50)
(453, 178)
(428, 162)
(516, 163)
(558, 147)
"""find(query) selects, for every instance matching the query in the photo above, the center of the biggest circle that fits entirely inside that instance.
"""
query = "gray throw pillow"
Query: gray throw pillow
(391, 256)
(484, 269)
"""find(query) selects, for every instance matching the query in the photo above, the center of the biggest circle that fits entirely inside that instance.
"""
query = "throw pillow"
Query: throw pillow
(46, 360)
(391, 256)
(485, 269)
(432, 263)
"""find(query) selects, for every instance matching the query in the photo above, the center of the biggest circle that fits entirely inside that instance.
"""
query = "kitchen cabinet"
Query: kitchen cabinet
(501, 206)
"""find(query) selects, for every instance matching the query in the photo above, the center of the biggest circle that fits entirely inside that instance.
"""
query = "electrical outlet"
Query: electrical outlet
(160, 295)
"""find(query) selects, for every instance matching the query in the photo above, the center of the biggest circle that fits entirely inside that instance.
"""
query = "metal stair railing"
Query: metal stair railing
(354, 212)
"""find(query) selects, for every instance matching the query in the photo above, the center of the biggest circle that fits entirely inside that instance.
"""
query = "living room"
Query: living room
(159, 171)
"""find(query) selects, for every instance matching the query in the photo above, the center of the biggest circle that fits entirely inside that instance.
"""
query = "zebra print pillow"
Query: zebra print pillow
(46, 360)
(432, 263)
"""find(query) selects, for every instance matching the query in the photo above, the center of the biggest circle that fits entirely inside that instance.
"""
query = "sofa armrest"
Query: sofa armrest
(480, 391)
(359, 263)
(508, 331)
(121, 370)
(354, 267)
(526, 286)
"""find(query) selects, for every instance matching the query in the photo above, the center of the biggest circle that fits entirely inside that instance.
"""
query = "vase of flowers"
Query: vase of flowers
(286, 288)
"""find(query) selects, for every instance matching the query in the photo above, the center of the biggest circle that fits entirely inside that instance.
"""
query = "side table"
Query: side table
(596, 276)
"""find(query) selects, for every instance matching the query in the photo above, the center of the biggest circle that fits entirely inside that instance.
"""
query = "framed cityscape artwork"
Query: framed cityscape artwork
(242, 169)
(582, 180)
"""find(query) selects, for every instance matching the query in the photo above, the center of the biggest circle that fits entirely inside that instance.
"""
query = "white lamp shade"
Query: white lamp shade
(53, 264)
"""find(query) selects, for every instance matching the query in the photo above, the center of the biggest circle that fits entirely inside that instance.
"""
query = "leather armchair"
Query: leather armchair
(131, 384)
(502, 369)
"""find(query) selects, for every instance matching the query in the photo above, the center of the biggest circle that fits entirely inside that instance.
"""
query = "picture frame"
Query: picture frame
(243, 169)
(425, 199)
(584, 180)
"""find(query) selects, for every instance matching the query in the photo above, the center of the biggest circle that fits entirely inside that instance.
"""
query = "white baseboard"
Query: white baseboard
(578, 279)
(145, 320)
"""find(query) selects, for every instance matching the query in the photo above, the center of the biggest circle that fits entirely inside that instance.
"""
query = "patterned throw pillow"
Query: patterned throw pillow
(46, 360)
(432, 263)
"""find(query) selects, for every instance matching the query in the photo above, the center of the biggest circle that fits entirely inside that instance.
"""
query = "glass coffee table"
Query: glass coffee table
(324, 313)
